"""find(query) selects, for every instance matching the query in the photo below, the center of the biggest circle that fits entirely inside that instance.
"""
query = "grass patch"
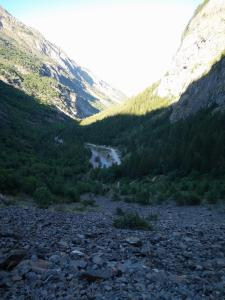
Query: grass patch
(119, 212)
(131, 220)
(89, 202)
(187, 198)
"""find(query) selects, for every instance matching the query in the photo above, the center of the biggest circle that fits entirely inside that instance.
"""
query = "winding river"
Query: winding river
(103, 156)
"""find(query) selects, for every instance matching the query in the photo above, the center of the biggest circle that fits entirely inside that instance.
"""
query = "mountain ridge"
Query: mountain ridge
(79, 92)
(202, 45)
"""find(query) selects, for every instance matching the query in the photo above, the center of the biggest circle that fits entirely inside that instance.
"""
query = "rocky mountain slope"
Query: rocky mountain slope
(29, 62)
(202, 45)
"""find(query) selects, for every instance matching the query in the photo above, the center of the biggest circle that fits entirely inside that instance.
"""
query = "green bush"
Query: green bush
(202, 187)
(72, 193)
(124, 190)
(43, 197)
(187, 198)
(133, 221)
(90, 202)
(129, 199)
(210, 197)
(143, 197)
(119, 212)
(30, 184)
(116, 197)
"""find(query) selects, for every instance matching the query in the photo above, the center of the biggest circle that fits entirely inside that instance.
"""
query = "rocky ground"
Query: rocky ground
(63, 255)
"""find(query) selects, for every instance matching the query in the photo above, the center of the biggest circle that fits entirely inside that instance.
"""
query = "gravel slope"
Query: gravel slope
(58, 255)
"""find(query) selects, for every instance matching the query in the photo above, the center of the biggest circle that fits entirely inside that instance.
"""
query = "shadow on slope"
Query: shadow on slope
(152, 144)
(42, 150)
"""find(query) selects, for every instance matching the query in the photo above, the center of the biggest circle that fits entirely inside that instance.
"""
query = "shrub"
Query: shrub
(129, 199)
(210, 196)
(116, 197)
(160, 197)
(30, 184)
(143, 197)
(124, 190)
(119, 212)
(202, 187)
(43, 197)
(90, 202)
(9, 182)
(97, 188)
(132, 220)
(187, 198)
(72, 193)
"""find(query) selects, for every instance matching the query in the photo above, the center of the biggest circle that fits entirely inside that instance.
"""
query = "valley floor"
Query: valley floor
(65, 255)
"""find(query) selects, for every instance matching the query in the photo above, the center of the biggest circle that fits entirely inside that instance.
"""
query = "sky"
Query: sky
(128, 43)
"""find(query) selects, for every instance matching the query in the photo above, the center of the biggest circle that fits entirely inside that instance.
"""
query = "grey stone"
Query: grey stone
(77, 252)
(97, 260)
(134, 241)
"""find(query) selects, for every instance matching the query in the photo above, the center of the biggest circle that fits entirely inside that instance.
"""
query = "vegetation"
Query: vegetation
(132, 220)
(182, 161)
(13, 55)
(23, 69)
(87, 203)
(43, 197)
(193, 189)
(151, 145)
(159, 162)
(32, 161)
(139, 105)
(43, 88)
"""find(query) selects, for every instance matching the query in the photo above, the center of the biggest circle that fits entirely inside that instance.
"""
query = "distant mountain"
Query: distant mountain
(29, 62)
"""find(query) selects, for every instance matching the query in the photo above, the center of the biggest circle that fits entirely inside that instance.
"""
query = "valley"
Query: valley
(108, 197)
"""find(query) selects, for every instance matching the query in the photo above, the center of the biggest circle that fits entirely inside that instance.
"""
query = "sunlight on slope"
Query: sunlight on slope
(139, 105)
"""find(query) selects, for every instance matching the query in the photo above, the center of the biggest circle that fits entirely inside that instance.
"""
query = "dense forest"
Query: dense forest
(42, 150)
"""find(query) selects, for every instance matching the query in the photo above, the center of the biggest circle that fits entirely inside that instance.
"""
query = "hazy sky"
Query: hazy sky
(128, 43)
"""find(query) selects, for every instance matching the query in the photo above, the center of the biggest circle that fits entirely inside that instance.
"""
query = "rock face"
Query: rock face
(25, 52)
(202, 46)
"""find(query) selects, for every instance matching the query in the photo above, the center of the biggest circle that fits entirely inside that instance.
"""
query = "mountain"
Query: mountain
(202, 46)
(200, 55)
(143, 128)
(29, 62)
(177, 124)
